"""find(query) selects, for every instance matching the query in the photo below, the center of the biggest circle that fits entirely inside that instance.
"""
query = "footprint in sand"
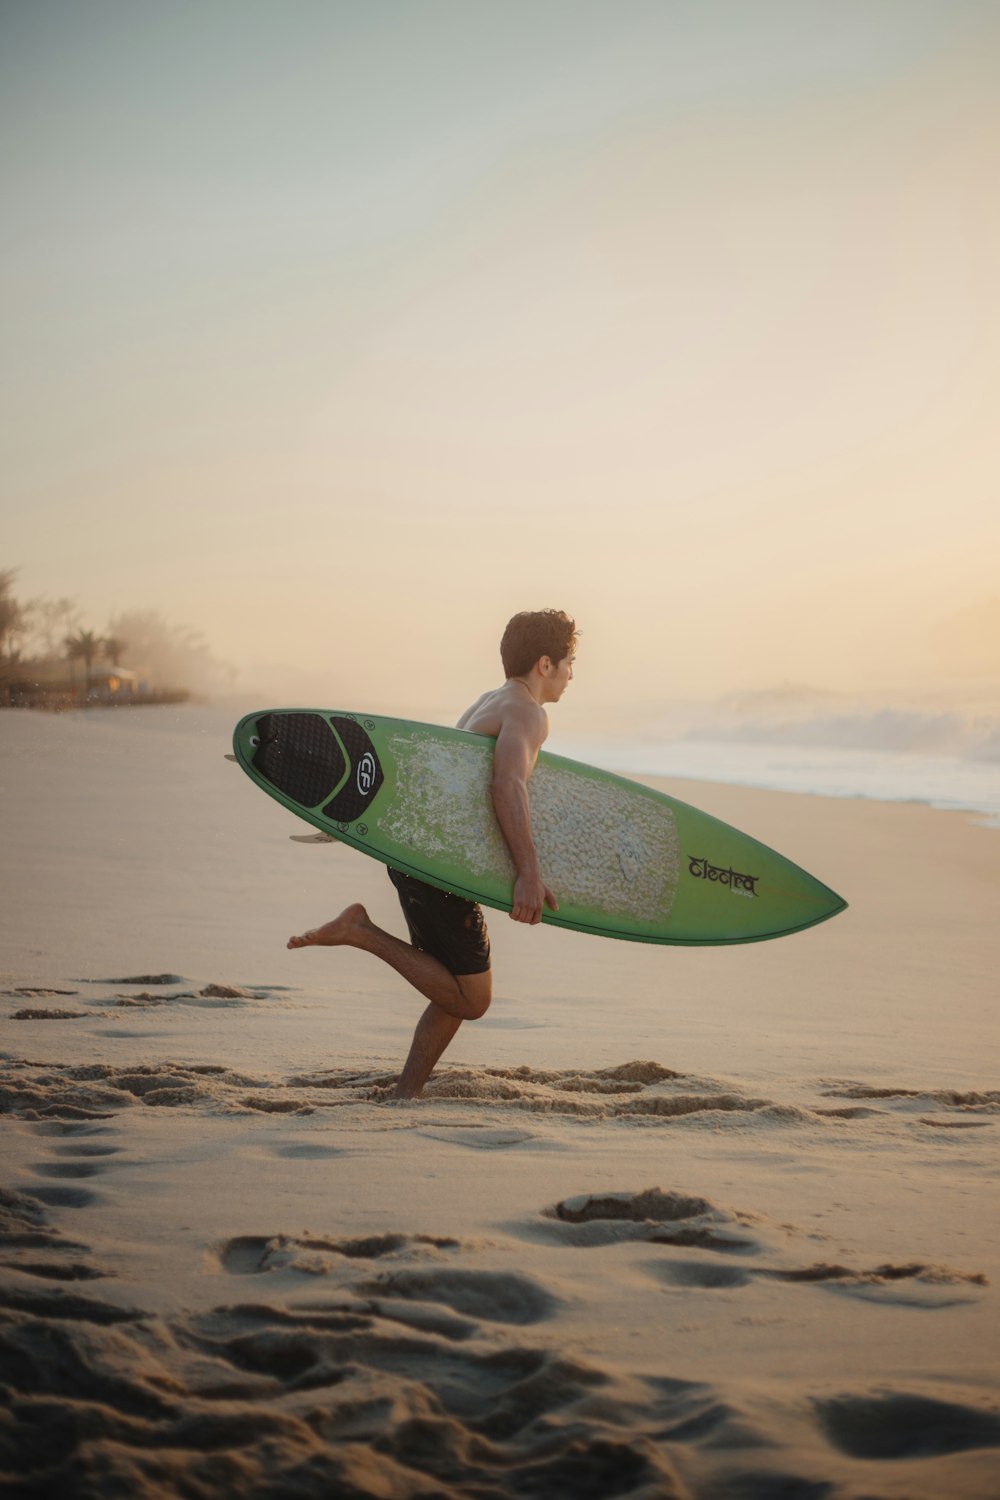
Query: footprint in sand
(489, 1296)
(479, 1137)
(56, 1127)
(67, 1305)
(30, 1246)
(895, 1425)
(84, 1149)
(55, 1270)
(706, 1275)
(139, 979)
(253, 1255)
(70, 1169)
(953, 1109)
(75, 1160)
(906, 1286)
(305, 1151)
(42, 990)
(681, 1220)
(31, 1014)
(661, 1218)
(65, 1197)
(437, 1298)
(916, 1285)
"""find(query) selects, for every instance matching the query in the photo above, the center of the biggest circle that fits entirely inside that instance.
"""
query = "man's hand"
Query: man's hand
(530, 895)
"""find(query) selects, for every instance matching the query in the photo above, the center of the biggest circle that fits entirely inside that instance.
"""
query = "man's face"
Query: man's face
(558, 678)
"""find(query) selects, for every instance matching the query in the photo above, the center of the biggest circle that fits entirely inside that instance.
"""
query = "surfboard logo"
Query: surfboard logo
(739, 885)
(362, 785)
(367, 770)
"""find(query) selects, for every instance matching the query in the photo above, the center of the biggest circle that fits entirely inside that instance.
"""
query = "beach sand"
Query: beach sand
(667, 1222)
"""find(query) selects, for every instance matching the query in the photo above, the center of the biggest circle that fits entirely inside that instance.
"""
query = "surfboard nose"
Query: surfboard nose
(313, 759)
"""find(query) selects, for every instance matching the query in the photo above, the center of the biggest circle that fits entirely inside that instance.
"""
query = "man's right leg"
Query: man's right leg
(462, 998)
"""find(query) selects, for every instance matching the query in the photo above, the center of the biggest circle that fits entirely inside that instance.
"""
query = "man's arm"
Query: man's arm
(518, 743)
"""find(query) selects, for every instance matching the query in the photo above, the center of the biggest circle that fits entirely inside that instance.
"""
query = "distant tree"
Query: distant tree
(113, 649)
(170, 656)
(11, 615)
(38, 627)
(11, 622)
(83, 646)
(50, 621)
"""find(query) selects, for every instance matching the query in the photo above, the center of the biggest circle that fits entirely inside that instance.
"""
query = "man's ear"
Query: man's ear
(545, 665)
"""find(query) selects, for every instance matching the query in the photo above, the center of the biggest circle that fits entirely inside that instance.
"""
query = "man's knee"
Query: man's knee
(477, 990)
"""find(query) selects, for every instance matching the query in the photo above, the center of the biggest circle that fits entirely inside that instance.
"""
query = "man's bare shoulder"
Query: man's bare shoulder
(508, 708)
(474, 711)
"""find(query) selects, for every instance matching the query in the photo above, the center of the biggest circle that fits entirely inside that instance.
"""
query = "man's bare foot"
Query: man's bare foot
(340, 930)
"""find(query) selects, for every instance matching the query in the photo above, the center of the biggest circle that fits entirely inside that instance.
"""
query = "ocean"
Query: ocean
(955, 783)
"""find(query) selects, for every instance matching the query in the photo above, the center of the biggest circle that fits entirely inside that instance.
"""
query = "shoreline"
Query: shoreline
(220, 715)
(69, 702)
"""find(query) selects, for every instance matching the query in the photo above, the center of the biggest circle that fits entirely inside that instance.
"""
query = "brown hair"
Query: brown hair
(536, 633)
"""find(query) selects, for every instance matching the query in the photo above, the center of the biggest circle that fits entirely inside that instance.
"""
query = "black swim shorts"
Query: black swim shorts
(449, 928)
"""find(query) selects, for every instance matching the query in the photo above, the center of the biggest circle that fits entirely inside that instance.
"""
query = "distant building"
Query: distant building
(52, 678)
(113, 685)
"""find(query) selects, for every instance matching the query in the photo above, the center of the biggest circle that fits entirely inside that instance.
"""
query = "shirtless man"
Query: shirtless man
(448, 958)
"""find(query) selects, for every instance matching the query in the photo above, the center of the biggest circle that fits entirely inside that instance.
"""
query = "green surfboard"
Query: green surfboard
(623, 860)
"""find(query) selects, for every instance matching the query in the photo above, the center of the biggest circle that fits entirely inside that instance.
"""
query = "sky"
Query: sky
(339, 330)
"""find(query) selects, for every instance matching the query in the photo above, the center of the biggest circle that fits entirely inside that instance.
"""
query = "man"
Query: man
(448, 958)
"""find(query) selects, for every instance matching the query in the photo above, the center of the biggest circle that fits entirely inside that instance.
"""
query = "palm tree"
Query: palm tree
(113, 649)
(83, 646)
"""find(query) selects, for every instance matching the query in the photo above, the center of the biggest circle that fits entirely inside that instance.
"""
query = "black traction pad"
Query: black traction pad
(299, 755)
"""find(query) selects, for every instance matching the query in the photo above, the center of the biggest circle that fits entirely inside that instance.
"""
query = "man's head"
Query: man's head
(543, 638)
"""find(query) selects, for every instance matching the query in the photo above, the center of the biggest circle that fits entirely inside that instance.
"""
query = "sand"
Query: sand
(667, 1222)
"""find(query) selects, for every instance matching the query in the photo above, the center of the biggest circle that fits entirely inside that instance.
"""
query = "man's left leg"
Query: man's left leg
(435, 1031)
(454, 930)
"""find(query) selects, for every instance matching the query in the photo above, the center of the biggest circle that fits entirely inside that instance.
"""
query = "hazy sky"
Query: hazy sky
(341, 329)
